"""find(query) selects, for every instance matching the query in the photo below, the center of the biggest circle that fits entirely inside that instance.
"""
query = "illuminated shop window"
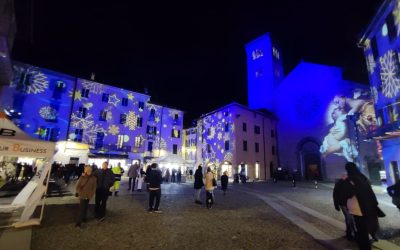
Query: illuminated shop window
(124, 102)
(103, 115)
(244, 145)
(99, 140)
(78, 135)
(175, 149)
(175, 133)
(138, 141)
(139, 122)
(226, 145)
(122, 118)
(257, 147)
(82, 112)
(244, 127)
(85, 93)
(257, 170)
(141, 106)
(257, 130)
(105, 97)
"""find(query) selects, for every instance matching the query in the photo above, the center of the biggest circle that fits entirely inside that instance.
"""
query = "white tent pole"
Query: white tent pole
(47, 186)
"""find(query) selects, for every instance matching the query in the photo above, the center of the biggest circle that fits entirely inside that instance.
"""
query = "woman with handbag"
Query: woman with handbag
(85, 189)
(210, 184)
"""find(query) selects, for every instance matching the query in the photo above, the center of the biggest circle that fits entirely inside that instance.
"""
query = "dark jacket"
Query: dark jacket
(339, 193)
(224, 182)
(365, 195)
(394, 190)
(198, 179)
(154, 178)
(105, 178)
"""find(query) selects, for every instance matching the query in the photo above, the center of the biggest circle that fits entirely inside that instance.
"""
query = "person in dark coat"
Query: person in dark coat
(105, 179)
(179, 176)
(224, 182)
(154, 178)
(198, 183)
(363, 205)
(340, 203)
(394, 192)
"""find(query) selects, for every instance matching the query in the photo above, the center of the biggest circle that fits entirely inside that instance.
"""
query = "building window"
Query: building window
(176, 117)
(122, 118)
(103, 115)
(257, 147)
(99, 140)
(82, 112)
(120, 142)
(152, 115)
(151, 130)
(58, 89)
(273, 150)
(139, 122)
(257, 130)
(78, 135)
(244, 145)
(85, 93)
(244, 127)
(124, 102)
(226, 145)
(141, 106)
(175, 133)
(208, 148)
(272, 133)
(138, 141)
(175, 149)
(150, 146)
(226, 127)
(105, 97)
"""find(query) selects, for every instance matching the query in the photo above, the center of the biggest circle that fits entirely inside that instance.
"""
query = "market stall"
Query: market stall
(15, 143)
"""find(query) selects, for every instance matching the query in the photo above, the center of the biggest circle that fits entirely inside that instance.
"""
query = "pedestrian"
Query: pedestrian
(209, 186)
(105, 180)
(224, 182)
(167, 175)
(117, 178)
(132, 174)
(154, 179)
(198, 184)
(179, 176)
(139, 179)
(363, 205)
(18, 171)
(340, 203)
(190, 174)
(85, 189)
(394, 192)
(147, 173)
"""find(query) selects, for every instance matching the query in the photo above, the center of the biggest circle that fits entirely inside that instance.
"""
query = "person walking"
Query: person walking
(105, 180)
(198, 183)
(139, 179)
(363, 205)
(85, 189)
(167, 175)
(340, 203)
(179, 176)
(132, 174)
(209, 186)
(154, 178)
(117, 178)
(394, 192)
(224, 182)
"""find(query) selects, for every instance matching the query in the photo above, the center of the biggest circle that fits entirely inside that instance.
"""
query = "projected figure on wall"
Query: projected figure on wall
(336, 141)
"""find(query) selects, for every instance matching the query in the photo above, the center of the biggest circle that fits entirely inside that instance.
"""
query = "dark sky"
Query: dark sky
(188, 54)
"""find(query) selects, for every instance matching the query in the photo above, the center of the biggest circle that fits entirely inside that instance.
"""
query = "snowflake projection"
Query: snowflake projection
(113, 129)
(90, 134)
(77, 95)
(38, 81)
(82, 123)
(228, 157)
(396, 16)
(48, 113)
(371, 65)
(93, 87)
(226, 137)
(88, 105)
(219, 136)
(131, 120)
(212, 133)
(389, 71)
(374, 94)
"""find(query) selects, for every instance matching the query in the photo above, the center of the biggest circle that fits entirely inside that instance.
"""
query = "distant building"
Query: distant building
(322, 118)
(237, 139)
(189, 148)
(381, 48)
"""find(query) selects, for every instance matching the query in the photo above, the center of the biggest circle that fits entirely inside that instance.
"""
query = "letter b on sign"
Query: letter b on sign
(7, 132)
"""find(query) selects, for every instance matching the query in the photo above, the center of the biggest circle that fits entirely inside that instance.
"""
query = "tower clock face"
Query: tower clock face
(307, 106)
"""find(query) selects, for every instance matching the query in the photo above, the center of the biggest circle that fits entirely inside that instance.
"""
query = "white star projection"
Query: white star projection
(93, 87)
(389, 74)
(131, 120)
(113, 99)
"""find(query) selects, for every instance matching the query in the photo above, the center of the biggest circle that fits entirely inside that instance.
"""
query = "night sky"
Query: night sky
(190, 54)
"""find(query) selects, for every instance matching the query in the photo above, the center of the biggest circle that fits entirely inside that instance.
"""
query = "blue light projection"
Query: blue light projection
(38, 101)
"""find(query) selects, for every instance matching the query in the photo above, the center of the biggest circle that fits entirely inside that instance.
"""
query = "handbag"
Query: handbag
(214, 182)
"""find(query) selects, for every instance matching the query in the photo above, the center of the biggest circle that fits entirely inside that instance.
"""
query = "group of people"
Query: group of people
(353, 195)
(209, 182)
(16, 171)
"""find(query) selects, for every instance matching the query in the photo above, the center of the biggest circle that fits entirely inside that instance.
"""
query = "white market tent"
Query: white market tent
(14, 142)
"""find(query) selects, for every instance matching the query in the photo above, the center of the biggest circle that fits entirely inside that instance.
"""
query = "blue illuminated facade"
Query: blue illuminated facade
(381, 49)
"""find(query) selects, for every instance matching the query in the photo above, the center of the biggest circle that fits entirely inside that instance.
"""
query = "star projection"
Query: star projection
(389, 74)
(113, 99)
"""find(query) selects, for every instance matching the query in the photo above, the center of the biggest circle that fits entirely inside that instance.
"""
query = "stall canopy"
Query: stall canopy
(14, 142)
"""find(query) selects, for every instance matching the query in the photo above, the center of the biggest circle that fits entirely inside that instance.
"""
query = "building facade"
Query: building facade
(116, 123)
(381, 49)
(237, 139)
(323, 119)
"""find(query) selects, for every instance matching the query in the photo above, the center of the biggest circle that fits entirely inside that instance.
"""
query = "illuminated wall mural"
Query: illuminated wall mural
(38, 101)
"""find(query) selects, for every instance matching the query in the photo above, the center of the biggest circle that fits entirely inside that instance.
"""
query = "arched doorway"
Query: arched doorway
(310, 158)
